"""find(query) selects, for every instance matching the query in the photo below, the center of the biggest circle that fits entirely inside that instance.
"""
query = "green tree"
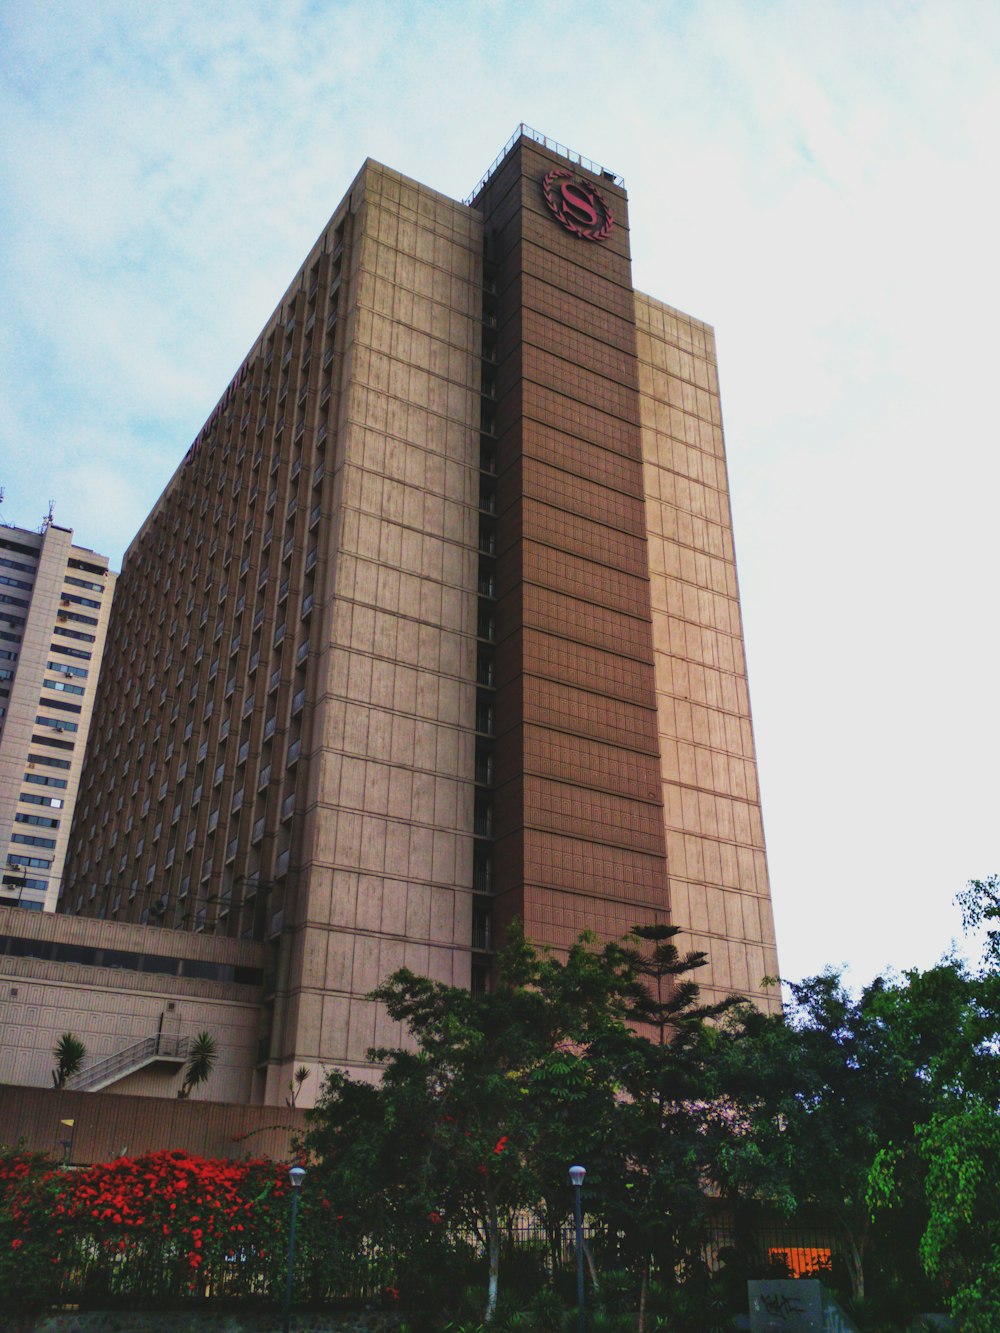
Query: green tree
(980, 904)
(597, 1058)
(962, 1242)
(663, 994)
(656, 1200)
(948, 1019)
(825, 1088)
(70, 1053)
(202, 1055)
(485, 1114)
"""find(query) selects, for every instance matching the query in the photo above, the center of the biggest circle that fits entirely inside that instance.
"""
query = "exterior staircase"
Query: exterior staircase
(164, 1048)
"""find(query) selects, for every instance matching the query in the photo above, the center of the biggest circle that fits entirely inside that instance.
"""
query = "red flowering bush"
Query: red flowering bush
(25, 1257)
(159, 1226)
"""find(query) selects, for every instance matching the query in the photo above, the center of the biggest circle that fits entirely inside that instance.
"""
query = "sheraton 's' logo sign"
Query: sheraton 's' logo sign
(576, 203)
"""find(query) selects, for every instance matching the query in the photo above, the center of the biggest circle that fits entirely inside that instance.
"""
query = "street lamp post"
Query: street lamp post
(576, 1175)
(296, 1175)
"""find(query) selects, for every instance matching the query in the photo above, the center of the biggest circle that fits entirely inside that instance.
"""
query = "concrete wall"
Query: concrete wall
(110, 1125)
(112, 1006)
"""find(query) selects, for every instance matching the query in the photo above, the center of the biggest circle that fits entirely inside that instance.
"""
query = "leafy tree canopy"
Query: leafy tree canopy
(501, 1092)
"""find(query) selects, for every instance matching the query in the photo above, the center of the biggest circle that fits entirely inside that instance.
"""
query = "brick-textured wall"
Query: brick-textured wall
(110, 1124)
(579, 839)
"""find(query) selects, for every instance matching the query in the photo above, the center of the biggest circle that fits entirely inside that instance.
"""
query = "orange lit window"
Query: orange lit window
(801, 1260)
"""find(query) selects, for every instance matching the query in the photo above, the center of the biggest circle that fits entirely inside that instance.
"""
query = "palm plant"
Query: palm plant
(70, 1054)
(295, 1084)
(202, 1055)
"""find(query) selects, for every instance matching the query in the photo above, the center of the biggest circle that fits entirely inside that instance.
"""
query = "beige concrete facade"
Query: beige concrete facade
(55, 601)
(436, 625)
(719, 890)
(387, 844)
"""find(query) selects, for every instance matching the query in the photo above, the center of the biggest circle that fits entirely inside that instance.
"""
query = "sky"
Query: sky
(816, 180)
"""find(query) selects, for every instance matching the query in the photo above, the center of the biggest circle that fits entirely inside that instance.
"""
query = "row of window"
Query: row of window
(21, 882)
(175, 575)
(40, 821)
(63, 687)
(86, 567)
(82, 653)
(74, 634)
(68, 670)
(43, 780)
(19, 565)
(161, 964)
(57, 723)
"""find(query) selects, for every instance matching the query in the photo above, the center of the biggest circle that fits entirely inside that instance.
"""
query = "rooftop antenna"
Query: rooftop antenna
(47, 520)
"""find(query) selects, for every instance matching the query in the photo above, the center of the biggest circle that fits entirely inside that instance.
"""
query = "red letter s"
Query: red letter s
(578, 204)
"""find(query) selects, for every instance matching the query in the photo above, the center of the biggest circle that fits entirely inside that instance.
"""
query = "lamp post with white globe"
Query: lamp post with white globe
(576, 1175)
(296, 1175)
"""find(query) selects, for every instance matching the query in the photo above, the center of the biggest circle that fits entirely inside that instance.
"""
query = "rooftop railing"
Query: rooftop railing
(537, 137)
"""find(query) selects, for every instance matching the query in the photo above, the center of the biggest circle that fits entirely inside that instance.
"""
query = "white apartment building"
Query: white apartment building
(55, 598)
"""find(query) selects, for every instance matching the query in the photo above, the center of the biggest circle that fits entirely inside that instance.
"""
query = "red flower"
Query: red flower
(435, 1217)
(501, 1144)
(16, 1243)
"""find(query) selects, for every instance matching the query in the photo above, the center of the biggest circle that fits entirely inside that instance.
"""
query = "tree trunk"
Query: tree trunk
(643, 1289)
(493, 1244)
(595, 1280)
(553, 1239)
(855, 1260)
(856, 1270)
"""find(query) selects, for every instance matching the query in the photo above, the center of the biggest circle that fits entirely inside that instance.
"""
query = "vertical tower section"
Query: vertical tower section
(577, 818)
(719, 890)
(386, 864)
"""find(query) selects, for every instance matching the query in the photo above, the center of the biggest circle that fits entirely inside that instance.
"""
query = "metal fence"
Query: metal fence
(333, 1271)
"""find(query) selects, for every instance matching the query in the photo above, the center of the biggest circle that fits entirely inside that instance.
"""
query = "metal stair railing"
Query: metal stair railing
(125, 1061)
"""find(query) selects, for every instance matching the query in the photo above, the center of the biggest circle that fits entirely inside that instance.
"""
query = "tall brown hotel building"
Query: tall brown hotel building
(437, 624)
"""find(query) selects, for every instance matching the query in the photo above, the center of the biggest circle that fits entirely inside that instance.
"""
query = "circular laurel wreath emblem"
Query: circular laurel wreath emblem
(577, 205)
